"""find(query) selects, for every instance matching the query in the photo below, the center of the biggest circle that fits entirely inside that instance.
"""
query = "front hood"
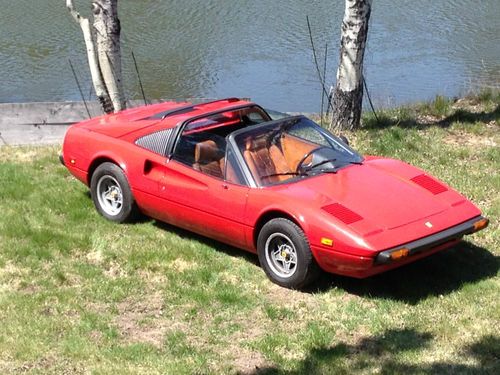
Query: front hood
(377, 196)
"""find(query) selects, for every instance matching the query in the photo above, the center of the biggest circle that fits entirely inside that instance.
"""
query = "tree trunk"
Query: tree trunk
(95, 71)
(348, 96)
(107, 32)
(103, 51)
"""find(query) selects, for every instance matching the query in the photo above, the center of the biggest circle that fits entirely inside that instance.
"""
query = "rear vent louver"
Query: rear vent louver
(342, 213)
(429, 183)
(156, 142)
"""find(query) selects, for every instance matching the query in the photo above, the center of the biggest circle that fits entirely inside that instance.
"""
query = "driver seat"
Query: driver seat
(264, 161)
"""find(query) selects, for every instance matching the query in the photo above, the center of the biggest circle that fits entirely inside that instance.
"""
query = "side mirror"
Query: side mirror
(344, 139)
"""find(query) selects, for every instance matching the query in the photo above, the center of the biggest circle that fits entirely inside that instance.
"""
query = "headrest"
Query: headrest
(253, 144)
(206, 151)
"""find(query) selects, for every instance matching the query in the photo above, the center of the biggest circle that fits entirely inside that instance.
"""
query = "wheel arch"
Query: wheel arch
(270, 215)
(96, 163)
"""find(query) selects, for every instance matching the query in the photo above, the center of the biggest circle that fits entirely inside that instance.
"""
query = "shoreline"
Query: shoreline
(45, 123)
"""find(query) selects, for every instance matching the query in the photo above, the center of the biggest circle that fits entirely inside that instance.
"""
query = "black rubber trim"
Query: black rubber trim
(427, 243)
(185, 109)
(61, 159)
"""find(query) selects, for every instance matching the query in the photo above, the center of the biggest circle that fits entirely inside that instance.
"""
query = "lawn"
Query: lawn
(79, 294)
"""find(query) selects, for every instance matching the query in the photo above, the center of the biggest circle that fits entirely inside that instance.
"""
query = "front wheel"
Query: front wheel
(111, 193)
(285, 255)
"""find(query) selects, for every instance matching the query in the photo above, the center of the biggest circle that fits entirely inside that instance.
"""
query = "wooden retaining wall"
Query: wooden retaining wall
(46, 123)
(40, 123)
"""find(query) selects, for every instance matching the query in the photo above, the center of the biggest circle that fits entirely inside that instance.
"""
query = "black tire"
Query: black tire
(283, 234)
(118, 204)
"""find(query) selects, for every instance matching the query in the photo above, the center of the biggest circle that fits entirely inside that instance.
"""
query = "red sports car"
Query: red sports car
(286, 189)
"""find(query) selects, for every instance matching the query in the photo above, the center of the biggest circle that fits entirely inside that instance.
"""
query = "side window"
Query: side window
(202, 144)
(232, 171)
(202, 151)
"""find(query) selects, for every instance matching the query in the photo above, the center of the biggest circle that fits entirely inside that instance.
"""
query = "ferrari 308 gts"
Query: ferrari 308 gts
(286, 189)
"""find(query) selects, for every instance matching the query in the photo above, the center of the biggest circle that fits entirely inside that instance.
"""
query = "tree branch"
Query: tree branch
(74, 13)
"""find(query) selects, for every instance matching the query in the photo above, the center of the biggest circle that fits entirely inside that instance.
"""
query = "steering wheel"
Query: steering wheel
(306, 155)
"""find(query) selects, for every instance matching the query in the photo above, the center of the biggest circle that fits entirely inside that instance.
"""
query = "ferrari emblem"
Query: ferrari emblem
(428, 224)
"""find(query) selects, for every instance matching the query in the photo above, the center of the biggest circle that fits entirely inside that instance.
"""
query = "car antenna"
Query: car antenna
(139, 76)
(79, 88)
(316, 63)
(324, 79)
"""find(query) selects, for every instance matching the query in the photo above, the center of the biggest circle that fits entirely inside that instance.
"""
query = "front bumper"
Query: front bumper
(365, 266)
(427, 243)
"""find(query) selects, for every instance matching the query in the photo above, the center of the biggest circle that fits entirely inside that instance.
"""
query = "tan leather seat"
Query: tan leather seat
(207, 157)
(295, 148)
(264, 161)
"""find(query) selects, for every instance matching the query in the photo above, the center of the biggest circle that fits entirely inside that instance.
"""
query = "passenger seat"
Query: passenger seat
(208, 158)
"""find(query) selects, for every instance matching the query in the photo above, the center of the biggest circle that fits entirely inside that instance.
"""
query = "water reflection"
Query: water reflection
(258, 49)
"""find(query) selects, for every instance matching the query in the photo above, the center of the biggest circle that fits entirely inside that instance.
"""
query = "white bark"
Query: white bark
(97, 81)
(348, 96)
(107, 32)
(354, 24)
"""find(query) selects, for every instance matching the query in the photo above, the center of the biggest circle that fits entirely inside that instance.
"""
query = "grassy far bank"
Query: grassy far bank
(79, 294)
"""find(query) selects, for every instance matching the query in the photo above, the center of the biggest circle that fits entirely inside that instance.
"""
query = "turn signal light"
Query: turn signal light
(481, 224)
(401, 253)
(326, 241)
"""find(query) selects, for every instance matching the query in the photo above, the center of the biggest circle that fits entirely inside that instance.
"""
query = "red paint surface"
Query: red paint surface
(389, 206)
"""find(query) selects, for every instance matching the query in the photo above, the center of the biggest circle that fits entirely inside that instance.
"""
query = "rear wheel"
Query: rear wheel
(285, 255)
(111, 193)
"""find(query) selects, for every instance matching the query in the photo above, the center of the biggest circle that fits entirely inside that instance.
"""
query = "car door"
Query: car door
(197, 200)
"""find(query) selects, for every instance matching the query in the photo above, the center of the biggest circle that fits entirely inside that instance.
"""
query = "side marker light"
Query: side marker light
(481, 224)
(327, 241)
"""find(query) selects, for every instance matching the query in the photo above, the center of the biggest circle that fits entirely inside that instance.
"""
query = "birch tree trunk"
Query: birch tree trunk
(95, 71)
(107, 33)
(103, 52)
(348, 95)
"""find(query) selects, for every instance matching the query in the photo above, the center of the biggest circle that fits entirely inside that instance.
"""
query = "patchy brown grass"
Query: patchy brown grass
(82, 295)
(143, 321)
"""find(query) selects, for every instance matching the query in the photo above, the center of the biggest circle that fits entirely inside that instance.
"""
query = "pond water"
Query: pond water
(258, 49)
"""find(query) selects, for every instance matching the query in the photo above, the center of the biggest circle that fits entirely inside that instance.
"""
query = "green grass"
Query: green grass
(79, 294)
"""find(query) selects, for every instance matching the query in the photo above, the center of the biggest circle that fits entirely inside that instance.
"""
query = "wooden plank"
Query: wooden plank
(46, 123)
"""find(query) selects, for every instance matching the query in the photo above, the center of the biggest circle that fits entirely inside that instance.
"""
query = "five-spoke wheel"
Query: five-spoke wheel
(285, 255)
(281, 255)
(111, 193)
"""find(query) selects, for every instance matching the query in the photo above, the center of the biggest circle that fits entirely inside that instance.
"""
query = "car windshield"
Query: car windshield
(291, 149)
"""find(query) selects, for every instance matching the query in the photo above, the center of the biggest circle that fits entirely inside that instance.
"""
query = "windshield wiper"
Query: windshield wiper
(284, 174)
(312, 166)
(324, 170)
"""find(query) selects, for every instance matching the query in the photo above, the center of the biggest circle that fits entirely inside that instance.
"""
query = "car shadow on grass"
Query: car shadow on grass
(439, 274)
(216, 245)
(383, 353)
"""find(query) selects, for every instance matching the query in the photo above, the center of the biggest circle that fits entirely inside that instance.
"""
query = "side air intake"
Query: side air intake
(342, 213)
(429, 183)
